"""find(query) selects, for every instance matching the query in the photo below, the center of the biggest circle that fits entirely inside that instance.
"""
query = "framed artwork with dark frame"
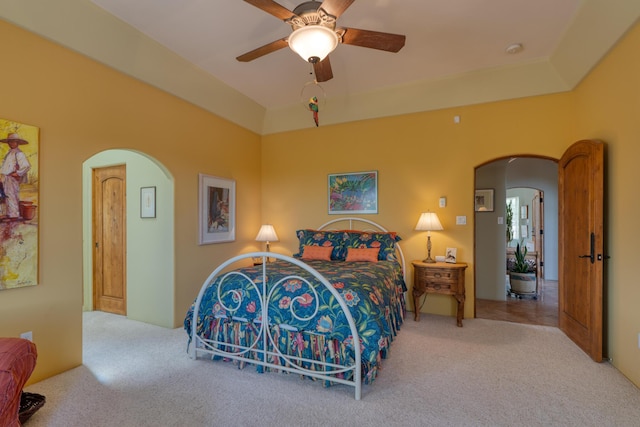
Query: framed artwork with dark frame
(217, 210)
(484, 200)
(353, 193)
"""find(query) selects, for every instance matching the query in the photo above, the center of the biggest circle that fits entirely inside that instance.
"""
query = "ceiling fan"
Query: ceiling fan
(315, 34)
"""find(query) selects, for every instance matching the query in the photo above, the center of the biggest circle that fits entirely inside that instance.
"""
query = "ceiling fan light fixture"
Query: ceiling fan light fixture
(313, 42)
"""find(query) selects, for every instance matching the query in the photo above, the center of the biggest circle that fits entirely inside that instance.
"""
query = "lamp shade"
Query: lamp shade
(267, 234)
(313, 42)
(429, 222)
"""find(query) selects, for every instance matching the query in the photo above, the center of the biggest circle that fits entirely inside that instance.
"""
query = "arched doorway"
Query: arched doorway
(149, 241)
(490, 231)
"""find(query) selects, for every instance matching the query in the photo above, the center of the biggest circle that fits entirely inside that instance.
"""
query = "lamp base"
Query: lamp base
(428, 259)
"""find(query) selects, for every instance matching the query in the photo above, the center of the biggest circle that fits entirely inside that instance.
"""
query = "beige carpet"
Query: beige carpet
(488, 373)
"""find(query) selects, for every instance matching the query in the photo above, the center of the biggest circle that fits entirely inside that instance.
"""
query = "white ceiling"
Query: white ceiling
(454, 53)
(444, 38)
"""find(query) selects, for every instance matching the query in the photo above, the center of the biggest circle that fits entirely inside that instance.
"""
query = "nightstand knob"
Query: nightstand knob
(438, 275)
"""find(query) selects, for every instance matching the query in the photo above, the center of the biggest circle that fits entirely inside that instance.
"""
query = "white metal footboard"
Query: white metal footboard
(268, 346)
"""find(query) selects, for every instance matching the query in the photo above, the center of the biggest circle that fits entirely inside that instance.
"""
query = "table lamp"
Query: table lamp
(267, 234)
(429, 222)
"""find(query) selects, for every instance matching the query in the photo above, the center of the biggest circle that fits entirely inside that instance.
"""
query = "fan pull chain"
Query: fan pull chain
(312, 72)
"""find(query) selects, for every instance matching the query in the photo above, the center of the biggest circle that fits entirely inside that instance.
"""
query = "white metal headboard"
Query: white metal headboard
(376, 227)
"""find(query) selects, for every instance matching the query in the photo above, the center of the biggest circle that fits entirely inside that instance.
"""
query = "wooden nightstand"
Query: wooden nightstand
(438, 278)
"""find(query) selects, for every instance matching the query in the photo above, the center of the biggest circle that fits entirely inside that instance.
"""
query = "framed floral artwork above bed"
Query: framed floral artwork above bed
(217, 210)
(353, 193)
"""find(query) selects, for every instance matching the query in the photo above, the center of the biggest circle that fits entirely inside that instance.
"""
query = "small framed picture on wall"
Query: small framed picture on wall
(484, 200)
(147, 202)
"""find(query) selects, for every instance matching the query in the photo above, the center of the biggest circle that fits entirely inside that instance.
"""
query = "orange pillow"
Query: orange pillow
(363, 254)
(317, 252)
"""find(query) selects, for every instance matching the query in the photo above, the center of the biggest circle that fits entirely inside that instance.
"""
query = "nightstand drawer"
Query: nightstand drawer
(438, 286)
(441, 275)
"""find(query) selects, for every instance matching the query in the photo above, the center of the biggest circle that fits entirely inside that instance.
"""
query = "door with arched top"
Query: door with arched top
(109, 239)
(581, 245)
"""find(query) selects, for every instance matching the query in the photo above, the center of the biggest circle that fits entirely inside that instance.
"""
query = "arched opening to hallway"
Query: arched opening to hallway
(491, 246)
(149, 241)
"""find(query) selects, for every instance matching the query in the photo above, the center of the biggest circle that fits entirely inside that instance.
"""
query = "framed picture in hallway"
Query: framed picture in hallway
(148, 202)
(484, 200)
(217, 209)
(19, 204)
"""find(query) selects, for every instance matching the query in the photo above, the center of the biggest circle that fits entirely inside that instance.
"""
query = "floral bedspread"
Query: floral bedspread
(373, 291)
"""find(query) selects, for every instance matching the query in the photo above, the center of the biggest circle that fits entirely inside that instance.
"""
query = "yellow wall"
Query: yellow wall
(82, 108)
(421, 157)
(608, 108)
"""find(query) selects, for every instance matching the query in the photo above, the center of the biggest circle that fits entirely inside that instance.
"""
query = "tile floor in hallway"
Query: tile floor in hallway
(540, 311)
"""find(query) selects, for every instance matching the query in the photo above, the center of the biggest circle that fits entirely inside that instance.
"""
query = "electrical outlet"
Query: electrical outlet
(461, 220)
(27, 335)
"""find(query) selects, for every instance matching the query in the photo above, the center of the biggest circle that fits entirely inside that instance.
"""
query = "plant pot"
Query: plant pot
(523, 283)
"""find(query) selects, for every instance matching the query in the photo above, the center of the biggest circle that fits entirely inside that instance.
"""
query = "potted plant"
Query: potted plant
(509, 223)
(522, 275)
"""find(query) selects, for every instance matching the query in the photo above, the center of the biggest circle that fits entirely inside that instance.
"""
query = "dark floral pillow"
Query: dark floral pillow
(323, 238)
(386, 242)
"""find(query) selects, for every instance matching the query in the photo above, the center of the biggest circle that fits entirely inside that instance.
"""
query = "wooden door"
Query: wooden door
(538, 230)
(580, 226)
(109, 240)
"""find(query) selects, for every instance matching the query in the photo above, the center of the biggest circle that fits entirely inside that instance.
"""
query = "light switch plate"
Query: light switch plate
(442, 202)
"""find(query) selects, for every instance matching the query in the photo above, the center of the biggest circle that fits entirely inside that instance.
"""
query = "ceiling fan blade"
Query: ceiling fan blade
(373, 39)
(336, 7)
(272, 8)
(263, 50)
(322, 70)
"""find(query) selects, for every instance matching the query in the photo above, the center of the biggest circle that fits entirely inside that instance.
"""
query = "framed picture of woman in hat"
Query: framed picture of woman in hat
(18, 204)
(217, 209)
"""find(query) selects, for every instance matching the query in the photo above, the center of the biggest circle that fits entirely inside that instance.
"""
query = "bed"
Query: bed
(302, 314)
